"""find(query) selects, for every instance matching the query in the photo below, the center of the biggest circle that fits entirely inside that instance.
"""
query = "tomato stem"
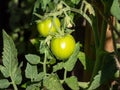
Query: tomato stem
(65, 74)
(44, 64)
(14, 85)
(95, 31)
(38, 15)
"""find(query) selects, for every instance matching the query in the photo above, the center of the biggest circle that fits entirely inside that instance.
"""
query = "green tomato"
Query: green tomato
(63, 46)
(48, 26)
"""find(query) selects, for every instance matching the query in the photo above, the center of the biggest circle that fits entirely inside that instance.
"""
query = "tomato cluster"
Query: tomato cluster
(62, 46)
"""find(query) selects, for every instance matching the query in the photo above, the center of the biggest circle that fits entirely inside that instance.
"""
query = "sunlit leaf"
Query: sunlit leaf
(31, 71)
(34, 87)
(39, 76)
(72, 83)
(82, 58)
(10, 61)
(58, 66)
(52, 82)
(96, 82)
(4, 71)
(75, 1)
(69, 65)
(115, 9)
(4, 83)
(83, 84)
(33, 59)
(44, 4)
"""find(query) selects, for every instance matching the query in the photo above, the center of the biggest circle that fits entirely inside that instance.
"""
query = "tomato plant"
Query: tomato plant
(56, 22)
(48, 26)
(63, 46)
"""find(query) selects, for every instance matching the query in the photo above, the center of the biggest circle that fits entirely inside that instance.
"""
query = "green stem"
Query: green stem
(100, 51)
(95, 31)
(83, 14)
(65, 74)
(44, 64)
(103, 35)
(14, 85)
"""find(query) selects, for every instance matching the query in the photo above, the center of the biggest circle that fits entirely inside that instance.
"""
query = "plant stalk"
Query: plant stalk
(65, 74)
(44, 64)
(14, 85)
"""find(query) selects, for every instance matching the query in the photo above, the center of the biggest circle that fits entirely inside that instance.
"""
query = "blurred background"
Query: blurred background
(15, 19)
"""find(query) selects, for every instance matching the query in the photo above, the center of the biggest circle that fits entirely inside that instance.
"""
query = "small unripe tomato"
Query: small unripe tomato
(63, 46)
(48, 26)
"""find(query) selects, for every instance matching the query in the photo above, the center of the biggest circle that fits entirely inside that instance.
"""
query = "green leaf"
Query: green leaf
(83, 84)
(4, 71)
(42, 47)
(88, 7)
(4, 83)
(10, 61)
(31, 71)
(17, 76)
(52, 82)
(58, 66)
(96, 82)
(34, 87)
(72, 83)
(36, 6)
(69, 65)
(82, 58)
(44, 4)
(75, 1)
(106, 73)
(33, 59)
(40, 76)
(115, 9)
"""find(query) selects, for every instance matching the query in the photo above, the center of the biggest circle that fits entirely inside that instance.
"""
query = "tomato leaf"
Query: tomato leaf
(82, 58)
(75, 1)
(35, 86)
(52, 82)
(83, 84)
(70, 63)
(33, 59)
(36, 6)
(44, 4)
(4, 83)
(39, 76)
(10, 66)
(96, 82)
(115, 9)
(4, 71)
(58, 66)
(43, 47)
(70, 82)
(31, 71)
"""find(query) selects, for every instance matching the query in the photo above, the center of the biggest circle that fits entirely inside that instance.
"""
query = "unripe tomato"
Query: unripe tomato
(62, 47)
(48, 26)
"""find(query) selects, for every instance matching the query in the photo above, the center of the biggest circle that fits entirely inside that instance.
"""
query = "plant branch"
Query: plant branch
(65, 74)
(44, 63)
(103, 34)
(95, 31)
(14, 85)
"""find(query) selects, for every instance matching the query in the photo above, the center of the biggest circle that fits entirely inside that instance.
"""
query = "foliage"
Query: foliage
(41, 71)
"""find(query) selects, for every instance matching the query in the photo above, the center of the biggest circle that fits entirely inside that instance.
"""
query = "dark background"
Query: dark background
(4, 20)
